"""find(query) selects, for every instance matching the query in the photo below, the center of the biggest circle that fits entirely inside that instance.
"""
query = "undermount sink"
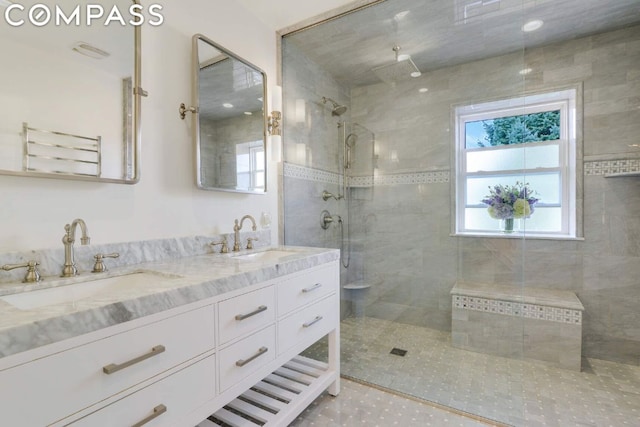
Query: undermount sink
(268, 255)
(82, 290)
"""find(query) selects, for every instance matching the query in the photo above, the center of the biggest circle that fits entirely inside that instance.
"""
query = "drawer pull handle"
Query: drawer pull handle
(253, 313)
(112, 368)
(308, 324)
(157, 411)
(312, 288)
(260, 352)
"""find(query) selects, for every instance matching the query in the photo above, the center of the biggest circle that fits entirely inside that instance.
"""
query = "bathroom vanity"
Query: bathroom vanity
(178, 346)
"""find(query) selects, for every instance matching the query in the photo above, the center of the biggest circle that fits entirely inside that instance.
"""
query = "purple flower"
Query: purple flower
(502, 201)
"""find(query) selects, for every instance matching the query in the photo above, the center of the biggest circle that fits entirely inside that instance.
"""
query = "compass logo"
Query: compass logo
(40, 15)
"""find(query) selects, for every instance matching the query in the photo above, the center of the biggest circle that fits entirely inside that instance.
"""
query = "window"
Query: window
(530, 139)
(250, 163)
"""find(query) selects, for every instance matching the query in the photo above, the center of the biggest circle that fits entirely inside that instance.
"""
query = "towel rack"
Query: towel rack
(61, 153)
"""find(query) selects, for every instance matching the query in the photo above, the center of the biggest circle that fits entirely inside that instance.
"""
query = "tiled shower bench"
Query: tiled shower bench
(517, 322)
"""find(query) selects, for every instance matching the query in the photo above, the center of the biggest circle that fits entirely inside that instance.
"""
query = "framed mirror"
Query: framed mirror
(230, 121)
(70, 96)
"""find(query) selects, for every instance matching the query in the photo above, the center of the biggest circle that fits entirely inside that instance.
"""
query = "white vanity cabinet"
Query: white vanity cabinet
(98, 368)
(179, 367)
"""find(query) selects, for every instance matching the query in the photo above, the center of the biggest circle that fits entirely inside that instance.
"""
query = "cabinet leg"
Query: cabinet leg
(334, 359)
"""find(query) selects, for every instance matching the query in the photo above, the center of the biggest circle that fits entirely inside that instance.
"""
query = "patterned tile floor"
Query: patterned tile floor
(361, 405)
(515, 392)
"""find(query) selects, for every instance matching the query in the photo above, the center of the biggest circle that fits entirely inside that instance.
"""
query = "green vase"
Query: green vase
(508, 225)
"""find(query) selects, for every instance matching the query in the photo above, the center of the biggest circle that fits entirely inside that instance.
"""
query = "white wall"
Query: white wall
(166, 202)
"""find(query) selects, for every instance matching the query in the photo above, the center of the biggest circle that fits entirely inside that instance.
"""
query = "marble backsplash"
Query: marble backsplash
(130, 253)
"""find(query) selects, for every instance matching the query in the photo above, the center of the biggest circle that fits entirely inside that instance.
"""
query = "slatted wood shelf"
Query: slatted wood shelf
(278, 398)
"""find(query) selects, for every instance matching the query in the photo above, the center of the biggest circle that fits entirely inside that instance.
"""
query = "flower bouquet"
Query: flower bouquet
(507, 202)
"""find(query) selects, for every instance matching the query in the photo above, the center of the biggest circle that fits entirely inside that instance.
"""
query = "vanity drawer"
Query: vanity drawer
(306, 288)
(69, 381)
(246, 356)
(167, 401)
(246, 313)
(308, 325)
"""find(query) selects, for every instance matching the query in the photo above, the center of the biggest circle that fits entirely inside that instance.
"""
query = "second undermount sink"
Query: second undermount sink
(268, 255)
(83, 290)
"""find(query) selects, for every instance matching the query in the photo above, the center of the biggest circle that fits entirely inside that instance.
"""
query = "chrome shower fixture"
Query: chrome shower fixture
(338, 109)
(327, 195)
(402, 68)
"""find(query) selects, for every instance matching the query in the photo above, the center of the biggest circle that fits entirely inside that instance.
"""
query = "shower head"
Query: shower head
(401, 69)
(338, 109)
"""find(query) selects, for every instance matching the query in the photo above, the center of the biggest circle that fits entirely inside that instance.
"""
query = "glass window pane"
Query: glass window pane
(543, 220)
(242, 163)
(514, 158)
(546, 186)
(544, 126)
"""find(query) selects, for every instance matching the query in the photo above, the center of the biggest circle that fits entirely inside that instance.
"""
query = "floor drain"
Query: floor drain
(398, 351)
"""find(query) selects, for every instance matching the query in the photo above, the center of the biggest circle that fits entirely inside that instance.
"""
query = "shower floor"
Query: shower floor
(515, 392)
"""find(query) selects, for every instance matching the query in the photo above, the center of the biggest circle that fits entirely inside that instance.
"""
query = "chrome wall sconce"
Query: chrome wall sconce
(273, 123)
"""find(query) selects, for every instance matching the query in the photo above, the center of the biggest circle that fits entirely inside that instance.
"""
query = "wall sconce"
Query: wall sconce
(276, 112)
(274, 123)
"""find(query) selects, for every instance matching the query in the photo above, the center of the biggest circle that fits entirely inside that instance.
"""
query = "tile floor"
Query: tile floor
(361, 405)
(514, 392)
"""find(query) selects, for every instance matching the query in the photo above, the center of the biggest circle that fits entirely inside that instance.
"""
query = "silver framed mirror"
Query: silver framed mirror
(230, 121)
(71, 99)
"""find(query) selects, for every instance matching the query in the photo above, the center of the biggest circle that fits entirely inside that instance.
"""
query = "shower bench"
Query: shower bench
(520, 323)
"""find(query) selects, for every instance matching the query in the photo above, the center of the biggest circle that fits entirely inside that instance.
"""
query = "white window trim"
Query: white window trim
(565, 100)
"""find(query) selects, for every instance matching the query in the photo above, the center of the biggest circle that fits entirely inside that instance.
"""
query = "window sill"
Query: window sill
(517, 235)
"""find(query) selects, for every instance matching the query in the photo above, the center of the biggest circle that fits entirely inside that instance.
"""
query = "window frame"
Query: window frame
(563, 100)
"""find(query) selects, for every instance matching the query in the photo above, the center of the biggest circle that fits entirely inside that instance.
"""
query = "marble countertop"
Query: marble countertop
(537, 296)
(179, 281)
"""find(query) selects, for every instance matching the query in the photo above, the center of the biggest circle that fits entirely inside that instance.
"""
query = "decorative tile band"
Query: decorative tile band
(611, 166)
(435, 177)
(310, 174)
(517, 309)
(317, 175)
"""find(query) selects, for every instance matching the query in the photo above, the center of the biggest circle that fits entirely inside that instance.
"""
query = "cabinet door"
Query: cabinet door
(164, 403)
(243, 358)
(246, 313)
(306, 288)
(75, 379)
(309, 325)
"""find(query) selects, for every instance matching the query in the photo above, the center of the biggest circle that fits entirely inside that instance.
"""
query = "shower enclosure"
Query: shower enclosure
(387, 108)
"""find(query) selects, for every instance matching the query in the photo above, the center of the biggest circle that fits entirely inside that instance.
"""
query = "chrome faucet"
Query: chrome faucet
(236, 231)
(69, 269)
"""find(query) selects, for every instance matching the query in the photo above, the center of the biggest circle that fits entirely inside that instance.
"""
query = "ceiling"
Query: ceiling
(279, 14)
(442, 33)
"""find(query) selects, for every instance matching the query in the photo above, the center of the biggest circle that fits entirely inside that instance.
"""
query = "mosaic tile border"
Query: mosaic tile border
(517, 309)
(318, 175)
(435, 177)
(611, 166)
(309, 174)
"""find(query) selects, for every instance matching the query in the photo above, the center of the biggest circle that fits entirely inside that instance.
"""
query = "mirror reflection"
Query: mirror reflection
(67, 106)
(231, 123)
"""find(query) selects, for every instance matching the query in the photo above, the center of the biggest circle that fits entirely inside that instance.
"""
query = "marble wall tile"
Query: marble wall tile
(404, 228)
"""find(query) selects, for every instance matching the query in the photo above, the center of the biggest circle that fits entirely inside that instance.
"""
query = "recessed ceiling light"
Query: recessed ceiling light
(416, 74)
(423, 90)
(248, 113)
(525, 71)
(532, 25)
(227, 105)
